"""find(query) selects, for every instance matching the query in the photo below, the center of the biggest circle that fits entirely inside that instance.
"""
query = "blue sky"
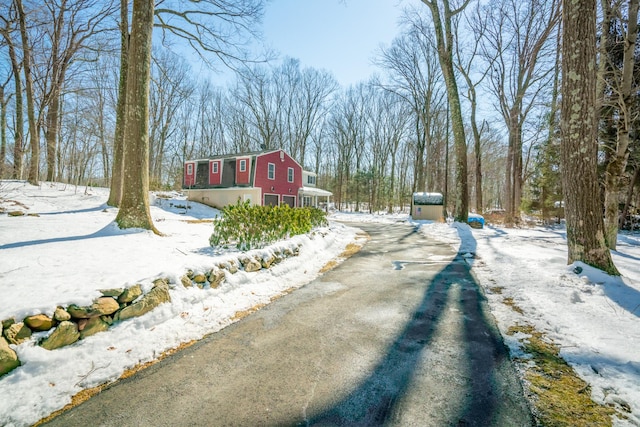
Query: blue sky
(340, 36)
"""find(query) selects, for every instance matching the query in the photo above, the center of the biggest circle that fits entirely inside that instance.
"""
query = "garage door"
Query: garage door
(289, 200)
(270, 200)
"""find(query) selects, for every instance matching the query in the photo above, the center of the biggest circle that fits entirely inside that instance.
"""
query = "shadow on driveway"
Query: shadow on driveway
(490, 397)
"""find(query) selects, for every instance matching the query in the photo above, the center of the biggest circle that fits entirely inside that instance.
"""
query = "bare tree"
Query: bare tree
(263, 101)
(34, 137)
(473, 77)
(9, 20)
(305, 94)
(443, 14)
(518, 36)
(624, 99)
(171, 86)
(4, 101)
(70, 25)
(414, 74)
(134, 206)
(115, 189)
(585, 228)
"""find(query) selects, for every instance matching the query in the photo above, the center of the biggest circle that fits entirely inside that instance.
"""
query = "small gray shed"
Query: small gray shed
(427, 206)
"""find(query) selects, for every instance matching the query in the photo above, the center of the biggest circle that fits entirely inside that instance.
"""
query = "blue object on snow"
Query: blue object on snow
(475, 220)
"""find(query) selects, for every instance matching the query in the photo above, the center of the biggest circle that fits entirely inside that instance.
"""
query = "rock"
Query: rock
(160, 281)
(93, 326)
(115, 292)
(250, 264)
(39, 322)
(82, 323)
(61, 314)
(8, 358)
(65, 334)
(130, 294)
(101, 306)
(231, 266)
(17, 333)
(155, 297)
(267, 261)
(15, 213)
(216, 276)
(8, 322)
(186, 282)
(200, 278)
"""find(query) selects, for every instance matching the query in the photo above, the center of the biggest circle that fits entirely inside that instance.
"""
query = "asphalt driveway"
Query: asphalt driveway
(399, 334)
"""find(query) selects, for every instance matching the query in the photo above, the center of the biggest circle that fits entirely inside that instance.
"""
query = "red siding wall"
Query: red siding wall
(215, 178)
(189, 174)
(280, 185)
(242, 177)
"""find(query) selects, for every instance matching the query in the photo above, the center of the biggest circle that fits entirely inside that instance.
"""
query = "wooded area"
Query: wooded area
(466, 102)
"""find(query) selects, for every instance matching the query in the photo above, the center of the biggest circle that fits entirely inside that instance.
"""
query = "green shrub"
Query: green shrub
(250, 227)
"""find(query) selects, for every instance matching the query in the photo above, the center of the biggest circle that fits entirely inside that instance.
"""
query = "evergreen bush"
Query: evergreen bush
(250, 227)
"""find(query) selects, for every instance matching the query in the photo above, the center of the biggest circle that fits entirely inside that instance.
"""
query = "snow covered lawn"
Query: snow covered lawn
(72, 250)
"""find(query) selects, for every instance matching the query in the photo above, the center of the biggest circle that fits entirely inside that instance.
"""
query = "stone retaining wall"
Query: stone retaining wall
(73, 323)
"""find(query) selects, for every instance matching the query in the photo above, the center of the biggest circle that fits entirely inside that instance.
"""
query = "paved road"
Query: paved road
(399, 334)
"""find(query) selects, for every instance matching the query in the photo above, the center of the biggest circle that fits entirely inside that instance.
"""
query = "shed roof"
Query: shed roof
(428, 199)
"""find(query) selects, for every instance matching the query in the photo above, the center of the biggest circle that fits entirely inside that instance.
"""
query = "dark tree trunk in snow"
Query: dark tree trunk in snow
(618, 158)
(585, 227)
(442, 24)
(34, 141)
(134, 206)
(115, 191)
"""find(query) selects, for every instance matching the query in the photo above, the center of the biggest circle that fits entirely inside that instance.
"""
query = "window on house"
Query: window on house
(215, 167)
(290, 174)
(243, 165)
(271, 171)
(189, 168)
(311, 179)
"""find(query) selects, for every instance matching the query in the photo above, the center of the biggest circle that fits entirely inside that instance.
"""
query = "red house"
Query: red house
(269, 177)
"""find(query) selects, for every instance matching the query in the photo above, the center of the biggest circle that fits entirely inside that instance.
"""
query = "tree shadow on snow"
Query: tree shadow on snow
(110, 229)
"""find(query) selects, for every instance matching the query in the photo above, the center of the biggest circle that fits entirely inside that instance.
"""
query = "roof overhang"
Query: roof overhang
(312, 191)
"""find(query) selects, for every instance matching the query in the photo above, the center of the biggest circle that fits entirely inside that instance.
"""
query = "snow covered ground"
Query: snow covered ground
(72, 249)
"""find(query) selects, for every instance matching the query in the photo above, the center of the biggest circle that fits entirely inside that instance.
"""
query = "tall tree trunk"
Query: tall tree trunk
(551, 130)
(51, 133)
(115, 190)
(34, 140)
(134, 206)
(18, 136)
(585, 227)
(3, 131)
(618, 158)
(627, 204)
(477, 151)
(444, 40)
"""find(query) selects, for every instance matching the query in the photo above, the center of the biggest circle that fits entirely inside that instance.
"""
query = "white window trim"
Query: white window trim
(271, 166)
(243, 165)
(215, 168)
(290, 174)
(189, 168)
